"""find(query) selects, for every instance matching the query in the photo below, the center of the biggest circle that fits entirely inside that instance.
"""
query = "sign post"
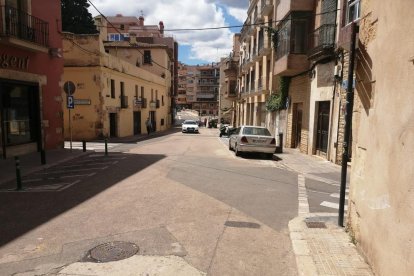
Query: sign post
(70, 106)
(69, 88)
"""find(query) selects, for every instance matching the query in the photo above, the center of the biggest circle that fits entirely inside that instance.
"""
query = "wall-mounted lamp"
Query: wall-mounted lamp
(411, 60)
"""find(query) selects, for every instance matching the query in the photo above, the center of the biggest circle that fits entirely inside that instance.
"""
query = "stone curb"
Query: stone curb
(304, 260)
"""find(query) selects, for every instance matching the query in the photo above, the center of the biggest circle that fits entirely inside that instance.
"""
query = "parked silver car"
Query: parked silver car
(252, 139)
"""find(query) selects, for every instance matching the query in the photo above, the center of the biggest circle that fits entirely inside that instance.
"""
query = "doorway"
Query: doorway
(137, 122)
(297, 124)
(153, 120)
(322, 131)
(112, 125)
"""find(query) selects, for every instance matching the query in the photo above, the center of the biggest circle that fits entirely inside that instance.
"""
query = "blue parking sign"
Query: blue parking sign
(70, 102)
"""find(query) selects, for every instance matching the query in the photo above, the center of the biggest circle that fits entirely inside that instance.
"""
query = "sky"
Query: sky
(195, 47)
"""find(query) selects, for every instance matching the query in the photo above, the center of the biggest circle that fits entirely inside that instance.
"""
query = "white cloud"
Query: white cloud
(183, 14)
(239, 14)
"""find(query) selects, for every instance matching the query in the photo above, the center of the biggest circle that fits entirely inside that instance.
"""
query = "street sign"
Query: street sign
(70, 102)
(69, 87)
(82, 101)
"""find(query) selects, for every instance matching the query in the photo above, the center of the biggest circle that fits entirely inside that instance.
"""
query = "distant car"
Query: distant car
(252, 139)
(189, 126)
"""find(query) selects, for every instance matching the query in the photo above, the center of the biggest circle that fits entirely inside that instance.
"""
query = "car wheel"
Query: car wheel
(236, 151)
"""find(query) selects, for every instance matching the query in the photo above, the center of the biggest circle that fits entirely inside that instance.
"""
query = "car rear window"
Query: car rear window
(256, 131)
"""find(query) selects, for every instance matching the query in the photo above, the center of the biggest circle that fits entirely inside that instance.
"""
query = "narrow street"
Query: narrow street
(180, 195)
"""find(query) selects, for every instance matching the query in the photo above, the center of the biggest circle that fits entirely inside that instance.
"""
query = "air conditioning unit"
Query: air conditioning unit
(338, 71)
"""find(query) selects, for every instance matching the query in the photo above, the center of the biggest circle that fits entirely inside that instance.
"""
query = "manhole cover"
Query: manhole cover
(241, 224)
(113, 251)
(315, 224)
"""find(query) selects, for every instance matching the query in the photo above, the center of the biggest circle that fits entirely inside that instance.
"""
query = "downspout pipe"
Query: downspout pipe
(348, 119)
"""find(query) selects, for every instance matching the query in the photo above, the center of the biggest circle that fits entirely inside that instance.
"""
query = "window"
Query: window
(113, 89)
(162, 100)
(122, 87)
(353, 11)
(292, 34)
(19, 120)
(147, 57)
(136, 91)
(115, 37)
(122, 27)
(152, 95)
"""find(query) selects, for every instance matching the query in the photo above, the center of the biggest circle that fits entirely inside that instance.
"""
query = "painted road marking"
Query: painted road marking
(332, 205)
(69, 171)
(336, 195)
(80, 165)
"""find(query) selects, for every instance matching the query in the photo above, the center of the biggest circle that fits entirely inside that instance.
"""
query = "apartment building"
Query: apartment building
(114, 95)
(131, 28)
(181, 99)
(206, 79)
(31, 71)
(228, 84)
(255, 78)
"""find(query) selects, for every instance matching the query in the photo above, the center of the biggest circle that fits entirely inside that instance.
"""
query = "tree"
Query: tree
(76, 17)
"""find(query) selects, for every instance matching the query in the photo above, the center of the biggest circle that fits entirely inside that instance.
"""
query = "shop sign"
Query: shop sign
(13, 62)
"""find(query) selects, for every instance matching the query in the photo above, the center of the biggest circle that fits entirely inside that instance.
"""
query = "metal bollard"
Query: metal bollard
(18, 176)
(43, 157)
(106, 147)
(84, 146)
(281, 141)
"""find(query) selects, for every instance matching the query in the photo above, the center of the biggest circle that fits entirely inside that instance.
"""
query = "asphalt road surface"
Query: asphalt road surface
(183, 195)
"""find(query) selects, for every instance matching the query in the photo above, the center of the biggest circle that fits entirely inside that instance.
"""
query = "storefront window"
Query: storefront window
(18, 114)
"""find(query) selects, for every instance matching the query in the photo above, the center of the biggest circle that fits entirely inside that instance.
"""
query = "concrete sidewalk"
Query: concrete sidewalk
(321, 246)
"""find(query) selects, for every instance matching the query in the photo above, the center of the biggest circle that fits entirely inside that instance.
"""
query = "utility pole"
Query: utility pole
(348, 121)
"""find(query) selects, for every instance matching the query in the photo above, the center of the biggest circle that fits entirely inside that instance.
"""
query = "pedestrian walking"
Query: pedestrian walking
(148, 125)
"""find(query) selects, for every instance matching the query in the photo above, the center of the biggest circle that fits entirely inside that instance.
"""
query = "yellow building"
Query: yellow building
(113, 95)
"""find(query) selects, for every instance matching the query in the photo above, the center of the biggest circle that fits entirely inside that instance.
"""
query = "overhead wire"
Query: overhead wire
(262, 24)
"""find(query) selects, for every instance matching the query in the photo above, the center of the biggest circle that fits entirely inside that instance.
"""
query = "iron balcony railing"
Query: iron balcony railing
(322, 39)
(21, 25)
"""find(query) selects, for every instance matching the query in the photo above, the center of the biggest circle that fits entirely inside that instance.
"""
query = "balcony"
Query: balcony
(153, 105)
(287, 6)
(140, 102)
(22, 30)
(267, 7)
(322, 42)
(292, 45)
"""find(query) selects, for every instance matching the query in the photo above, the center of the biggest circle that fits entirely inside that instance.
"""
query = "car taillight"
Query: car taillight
(273, 141)
(244, 139)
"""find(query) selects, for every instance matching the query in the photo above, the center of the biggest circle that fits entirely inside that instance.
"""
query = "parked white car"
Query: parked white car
(252, 139)
(189, 126)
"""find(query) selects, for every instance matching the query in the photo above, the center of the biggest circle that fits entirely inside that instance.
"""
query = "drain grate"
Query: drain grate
(241, 224)
(113, 251)
(315, 224)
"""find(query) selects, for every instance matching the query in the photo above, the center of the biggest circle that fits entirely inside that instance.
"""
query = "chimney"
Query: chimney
(133, 38)
(141, 21)
(161, 27)
(118, 15)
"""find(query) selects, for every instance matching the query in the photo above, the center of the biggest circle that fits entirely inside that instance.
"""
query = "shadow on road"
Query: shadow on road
(21, 212)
